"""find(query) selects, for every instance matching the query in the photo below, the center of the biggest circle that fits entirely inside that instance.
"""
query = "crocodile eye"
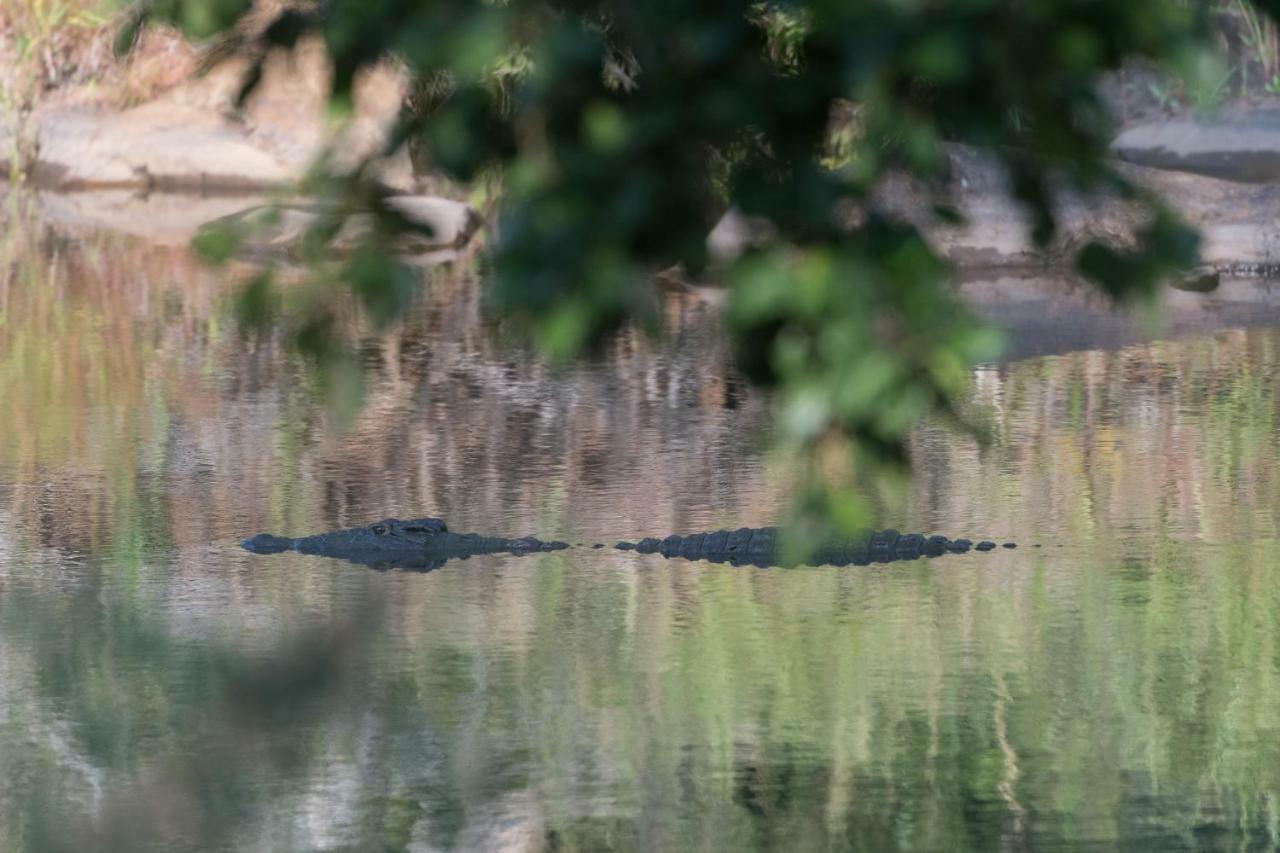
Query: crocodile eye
(379, 529)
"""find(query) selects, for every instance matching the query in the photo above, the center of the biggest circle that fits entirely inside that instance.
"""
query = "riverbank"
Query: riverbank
(124, 126)
(108, 143)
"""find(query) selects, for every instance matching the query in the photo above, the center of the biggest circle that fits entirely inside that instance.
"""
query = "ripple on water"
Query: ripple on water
(1114, 687)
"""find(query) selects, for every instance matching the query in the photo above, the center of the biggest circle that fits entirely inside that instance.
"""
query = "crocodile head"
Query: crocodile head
(414, 531)
(390, 534)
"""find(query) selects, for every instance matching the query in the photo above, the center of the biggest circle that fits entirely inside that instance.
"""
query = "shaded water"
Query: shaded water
(1119, 686)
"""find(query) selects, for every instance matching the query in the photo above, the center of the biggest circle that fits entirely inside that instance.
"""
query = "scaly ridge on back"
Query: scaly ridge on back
(426, 543)
(419, 543)
(759, 547)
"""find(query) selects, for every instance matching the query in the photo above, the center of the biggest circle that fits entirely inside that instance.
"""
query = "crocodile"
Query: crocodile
(760, 546)
(425, 543)
(419, 544)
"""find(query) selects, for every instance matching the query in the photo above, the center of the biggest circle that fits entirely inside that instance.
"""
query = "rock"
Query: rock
(735, 233)
(157, 146)
(453, 223)
(1244, 147)
(197, 137)
(1198, 281)
(1236, 221)
(995, 230)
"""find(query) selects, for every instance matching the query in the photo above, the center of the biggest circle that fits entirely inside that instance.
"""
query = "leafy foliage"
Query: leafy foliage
(621, 134)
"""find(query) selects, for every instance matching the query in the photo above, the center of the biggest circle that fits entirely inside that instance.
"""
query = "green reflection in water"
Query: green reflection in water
(1117, 687)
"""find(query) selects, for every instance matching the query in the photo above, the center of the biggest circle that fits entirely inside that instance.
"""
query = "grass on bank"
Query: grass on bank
(49, 44)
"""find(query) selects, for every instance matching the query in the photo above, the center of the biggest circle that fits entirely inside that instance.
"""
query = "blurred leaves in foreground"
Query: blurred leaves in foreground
(619, 138)
(163, 729)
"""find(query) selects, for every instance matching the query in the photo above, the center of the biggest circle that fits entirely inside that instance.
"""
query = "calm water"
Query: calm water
(1118, 687)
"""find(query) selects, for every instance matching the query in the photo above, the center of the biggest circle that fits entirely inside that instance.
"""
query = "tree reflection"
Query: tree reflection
(1114, 688)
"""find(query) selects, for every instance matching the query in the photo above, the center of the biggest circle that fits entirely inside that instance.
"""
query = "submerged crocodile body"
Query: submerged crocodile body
(759, 546)
(426, 543)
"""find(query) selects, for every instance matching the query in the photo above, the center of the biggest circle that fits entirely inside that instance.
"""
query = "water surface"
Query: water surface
(1118, 687)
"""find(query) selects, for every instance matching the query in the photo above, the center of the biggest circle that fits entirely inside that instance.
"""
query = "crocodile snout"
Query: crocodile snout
(265, 543)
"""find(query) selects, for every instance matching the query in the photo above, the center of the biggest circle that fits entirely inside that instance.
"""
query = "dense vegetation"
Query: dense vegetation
(619, 134)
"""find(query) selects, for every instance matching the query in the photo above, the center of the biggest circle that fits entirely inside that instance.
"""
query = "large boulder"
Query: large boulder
(1236, 221)
(1244, 146)
(161, 147)
(200, 136)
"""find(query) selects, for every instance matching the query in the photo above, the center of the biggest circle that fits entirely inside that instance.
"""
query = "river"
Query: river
(1116, 687)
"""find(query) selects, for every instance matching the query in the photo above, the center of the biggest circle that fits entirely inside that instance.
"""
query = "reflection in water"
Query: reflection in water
(1049, 316)
(1116, 688)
